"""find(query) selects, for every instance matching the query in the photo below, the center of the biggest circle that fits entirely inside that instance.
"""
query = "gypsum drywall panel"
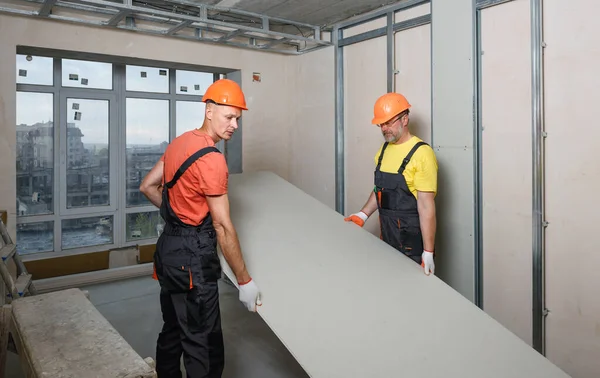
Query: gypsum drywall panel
(346, 304)
(507, 209)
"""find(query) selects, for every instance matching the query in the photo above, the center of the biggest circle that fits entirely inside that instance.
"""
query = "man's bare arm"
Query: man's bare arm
(427, 215)
(370, 206)
(151, 184)
(227, 236)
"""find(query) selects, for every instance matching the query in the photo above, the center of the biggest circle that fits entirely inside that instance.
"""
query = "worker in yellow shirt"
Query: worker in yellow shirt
(405, 185)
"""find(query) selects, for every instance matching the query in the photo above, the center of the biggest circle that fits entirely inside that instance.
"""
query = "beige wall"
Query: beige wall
(311, 123)
(506, 165)
(452, 134)
(413, 63)
(365, 79)
(276, 127)
(572, 184)
(571, 177)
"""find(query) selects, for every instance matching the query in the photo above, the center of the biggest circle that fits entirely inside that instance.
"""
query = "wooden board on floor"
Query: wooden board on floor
(62, 335)
(346, 304)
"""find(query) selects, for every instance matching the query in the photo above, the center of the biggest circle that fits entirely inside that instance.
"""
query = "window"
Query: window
(193, 83)
(37, 70)
(85, 74)
(85, 232)
(35, 237)
(147, 138)
(145, 225)
(35, 153)
(147, 79)
(189, 116)
(87, 158)
(79, 167)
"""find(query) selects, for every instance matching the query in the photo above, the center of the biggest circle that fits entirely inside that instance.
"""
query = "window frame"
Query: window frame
(117, 96)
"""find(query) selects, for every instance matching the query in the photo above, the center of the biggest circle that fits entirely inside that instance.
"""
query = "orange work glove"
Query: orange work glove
(357, 218)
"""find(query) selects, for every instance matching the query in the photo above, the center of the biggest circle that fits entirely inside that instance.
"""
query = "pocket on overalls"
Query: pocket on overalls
(174, 271)
(203, 295)
(411, 241)
(201, 306)
(205, 262)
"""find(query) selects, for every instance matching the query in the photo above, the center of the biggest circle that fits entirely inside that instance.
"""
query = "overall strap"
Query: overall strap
(381, 156)
(188, 163)
(409, 156)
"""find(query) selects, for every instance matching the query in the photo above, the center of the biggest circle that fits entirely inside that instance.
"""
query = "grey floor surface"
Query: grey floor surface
(251, 349)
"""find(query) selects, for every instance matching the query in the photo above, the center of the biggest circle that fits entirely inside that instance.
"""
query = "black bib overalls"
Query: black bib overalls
(397, 206)
(188, 268)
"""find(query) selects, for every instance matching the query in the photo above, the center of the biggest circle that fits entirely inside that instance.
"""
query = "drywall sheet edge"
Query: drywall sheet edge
(346, 304)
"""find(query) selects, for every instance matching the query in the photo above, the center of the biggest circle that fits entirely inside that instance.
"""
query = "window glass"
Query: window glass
(87, 232)
(189, 115)
(34, 70)
(192, 82)
(147, 137)
(87, 153)
(143, 225)
(84, 74)
(35, 237)
(35, 153)
(147, 79)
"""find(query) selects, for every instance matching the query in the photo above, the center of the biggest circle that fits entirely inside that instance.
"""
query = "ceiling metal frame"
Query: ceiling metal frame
(180, 19)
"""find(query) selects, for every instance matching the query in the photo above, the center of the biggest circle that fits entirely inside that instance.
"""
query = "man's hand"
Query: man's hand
(427, 262)
(358, 218)
(250, 295)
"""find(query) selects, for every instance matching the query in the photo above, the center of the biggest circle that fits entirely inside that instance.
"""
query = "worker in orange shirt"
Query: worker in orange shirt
(189, 185)
(405, 185)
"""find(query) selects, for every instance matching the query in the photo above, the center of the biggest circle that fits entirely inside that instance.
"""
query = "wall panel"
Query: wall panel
(572, 182)
(413, 63)
(453, 134)
(365, 79)
(312, 121)
(506, 165)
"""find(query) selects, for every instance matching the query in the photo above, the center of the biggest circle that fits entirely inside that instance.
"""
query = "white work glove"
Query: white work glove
(250, 295)
(427, 262)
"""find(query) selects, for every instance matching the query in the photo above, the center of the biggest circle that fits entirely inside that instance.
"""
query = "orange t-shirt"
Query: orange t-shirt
(207, 176)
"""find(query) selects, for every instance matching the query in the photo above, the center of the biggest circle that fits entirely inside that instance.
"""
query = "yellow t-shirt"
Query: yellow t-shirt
(420, 173)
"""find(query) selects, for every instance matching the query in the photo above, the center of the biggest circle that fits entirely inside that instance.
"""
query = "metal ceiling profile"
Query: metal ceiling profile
(180, 19)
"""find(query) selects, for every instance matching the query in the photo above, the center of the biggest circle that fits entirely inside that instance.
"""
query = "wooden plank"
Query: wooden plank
(4, 333)
(348, 305)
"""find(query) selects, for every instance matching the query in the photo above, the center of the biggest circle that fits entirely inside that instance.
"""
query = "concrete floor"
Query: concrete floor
(251, 349)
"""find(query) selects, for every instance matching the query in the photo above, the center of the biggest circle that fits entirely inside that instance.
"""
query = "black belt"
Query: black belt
(176, 230)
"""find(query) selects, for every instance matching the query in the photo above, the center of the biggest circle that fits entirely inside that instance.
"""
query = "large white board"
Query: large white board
(506, 165)
(571, 113)
(346, 304)
(452, 138)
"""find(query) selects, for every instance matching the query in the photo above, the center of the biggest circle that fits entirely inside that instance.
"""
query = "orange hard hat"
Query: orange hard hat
(387, 106)
(226, 92)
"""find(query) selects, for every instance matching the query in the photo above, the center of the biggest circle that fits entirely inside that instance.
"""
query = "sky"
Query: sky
(147, 120)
